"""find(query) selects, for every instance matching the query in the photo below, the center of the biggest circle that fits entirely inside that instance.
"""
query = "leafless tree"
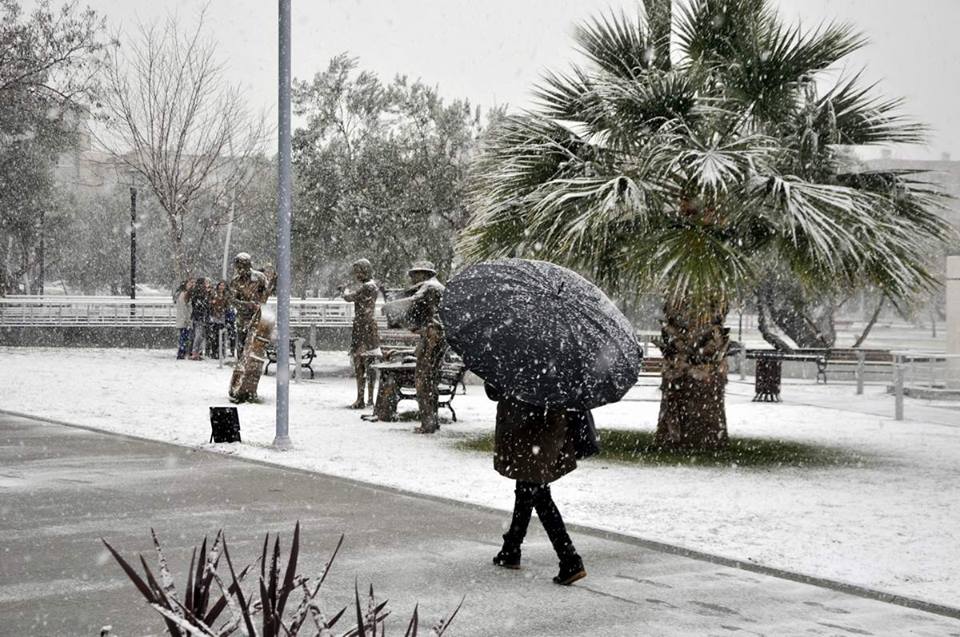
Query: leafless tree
(177, 122)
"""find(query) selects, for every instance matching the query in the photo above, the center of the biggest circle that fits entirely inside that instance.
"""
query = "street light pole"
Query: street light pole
(282, 439)
(133, 243)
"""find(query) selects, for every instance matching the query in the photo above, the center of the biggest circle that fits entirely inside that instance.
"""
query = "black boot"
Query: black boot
(571, 570)
(508, 557)
(571, 566)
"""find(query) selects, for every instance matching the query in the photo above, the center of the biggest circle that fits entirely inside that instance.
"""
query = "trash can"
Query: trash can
(768, 374)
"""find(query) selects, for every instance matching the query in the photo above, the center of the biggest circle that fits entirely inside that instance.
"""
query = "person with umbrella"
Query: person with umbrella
(534, 446)
(549, 346)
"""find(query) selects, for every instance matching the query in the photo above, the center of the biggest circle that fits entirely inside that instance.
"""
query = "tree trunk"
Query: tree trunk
(692, 408)
(778, 343)
(180, 267)
(659, 21)
(870, 323)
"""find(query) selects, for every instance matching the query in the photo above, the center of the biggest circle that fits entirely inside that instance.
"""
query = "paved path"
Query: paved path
(62, 488)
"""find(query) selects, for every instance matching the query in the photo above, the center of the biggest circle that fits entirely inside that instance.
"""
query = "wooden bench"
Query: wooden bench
(848, 360)
(651, 366)
(307, 354)
(834, 360)
(393, 339)
(452, 372)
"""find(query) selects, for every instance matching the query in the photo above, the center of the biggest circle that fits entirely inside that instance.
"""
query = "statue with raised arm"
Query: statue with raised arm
(365, 336)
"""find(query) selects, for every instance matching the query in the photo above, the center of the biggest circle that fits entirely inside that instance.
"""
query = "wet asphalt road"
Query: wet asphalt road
(62, 488)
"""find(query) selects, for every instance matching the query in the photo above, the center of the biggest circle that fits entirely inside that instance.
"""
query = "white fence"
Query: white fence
(24, 311)
(925, 375)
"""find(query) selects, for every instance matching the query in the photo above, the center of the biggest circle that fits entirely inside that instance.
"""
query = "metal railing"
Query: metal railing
(56, 311)
(932, 372)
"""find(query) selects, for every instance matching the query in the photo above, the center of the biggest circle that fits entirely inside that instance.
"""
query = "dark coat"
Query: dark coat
(531, 442)
(200, 307)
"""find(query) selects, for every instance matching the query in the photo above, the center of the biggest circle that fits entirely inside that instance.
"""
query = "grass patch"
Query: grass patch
(636, 447)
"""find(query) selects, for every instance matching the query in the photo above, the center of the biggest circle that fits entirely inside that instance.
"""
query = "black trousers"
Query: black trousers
(530, 496)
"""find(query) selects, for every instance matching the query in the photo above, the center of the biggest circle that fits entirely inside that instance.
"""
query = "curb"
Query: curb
(653, 545)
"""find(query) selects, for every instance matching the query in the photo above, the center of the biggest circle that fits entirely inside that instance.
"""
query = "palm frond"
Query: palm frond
(690, 263)
(820, 220)
(863, 118)
(708, 30)
(617, 44)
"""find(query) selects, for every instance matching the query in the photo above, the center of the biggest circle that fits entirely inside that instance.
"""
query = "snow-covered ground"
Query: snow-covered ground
(892, 523)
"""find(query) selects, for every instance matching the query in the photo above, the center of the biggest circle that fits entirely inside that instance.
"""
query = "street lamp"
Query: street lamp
(133, 234)
(284, 188)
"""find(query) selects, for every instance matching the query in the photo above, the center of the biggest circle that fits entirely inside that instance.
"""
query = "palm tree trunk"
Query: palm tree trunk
(692, 407)
(659, 19)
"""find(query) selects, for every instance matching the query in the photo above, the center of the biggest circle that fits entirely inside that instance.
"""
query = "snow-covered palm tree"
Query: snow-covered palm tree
(688, 178)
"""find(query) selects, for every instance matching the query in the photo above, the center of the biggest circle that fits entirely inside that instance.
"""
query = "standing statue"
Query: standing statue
(365, 336)
(248, 289)
(421, 309)
(248, 292)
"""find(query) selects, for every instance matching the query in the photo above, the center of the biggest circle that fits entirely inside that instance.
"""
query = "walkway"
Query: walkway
(62, 488)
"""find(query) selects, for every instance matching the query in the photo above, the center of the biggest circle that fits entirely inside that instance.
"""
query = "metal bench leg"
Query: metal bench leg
(452, 412)
(822, 371)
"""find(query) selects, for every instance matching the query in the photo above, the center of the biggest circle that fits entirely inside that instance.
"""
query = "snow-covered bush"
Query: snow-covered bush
(253, 615)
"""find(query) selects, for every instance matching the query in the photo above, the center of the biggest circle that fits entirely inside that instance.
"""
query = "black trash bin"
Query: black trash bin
(768, 374)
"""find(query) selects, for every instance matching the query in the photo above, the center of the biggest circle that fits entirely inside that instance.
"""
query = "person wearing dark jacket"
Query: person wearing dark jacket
(200, 316)
(532, 446)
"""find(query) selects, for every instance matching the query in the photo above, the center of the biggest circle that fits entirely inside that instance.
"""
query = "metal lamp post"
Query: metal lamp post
(282, 439)
(133, 242)
(133, 239)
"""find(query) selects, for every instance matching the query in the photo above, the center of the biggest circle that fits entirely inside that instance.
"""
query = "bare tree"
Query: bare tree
(178, 123)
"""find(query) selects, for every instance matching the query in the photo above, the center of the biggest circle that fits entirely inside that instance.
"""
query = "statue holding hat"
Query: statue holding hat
(419, 311)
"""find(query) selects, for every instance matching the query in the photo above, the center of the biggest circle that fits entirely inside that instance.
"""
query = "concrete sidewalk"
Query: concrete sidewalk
(63, 488)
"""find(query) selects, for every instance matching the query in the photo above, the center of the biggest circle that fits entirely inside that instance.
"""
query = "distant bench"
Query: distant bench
(398, 339)
(651, 366)
(307, 354)
(835, 360)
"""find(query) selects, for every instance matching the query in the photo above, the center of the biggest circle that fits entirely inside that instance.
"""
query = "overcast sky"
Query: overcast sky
(491, 51)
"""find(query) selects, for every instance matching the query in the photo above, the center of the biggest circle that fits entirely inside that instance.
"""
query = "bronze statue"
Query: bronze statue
(421, 314)
(248, 291)
(247, 372)
(365, 337)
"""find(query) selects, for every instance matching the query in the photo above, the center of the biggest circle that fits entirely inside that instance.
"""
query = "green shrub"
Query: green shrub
(637, 447)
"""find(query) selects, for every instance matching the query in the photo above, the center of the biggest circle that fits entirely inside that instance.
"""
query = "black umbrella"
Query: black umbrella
(541, 333)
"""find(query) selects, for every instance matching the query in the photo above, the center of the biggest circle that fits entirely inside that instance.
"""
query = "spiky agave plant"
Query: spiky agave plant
(688, 178)
(194, 617)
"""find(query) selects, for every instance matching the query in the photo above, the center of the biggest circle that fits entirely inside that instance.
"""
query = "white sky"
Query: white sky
(492, 51)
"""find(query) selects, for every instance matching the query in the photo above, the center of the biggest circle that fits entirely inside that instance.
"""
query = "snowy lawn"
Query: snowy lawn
(891, 522)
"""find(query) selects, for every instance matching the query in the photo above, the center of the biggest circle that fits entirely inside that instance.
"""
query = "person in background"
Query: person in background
(218, 309)
(365, 336)
(532, 445)
(230, 320)
(199, 316)
(181, 300)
